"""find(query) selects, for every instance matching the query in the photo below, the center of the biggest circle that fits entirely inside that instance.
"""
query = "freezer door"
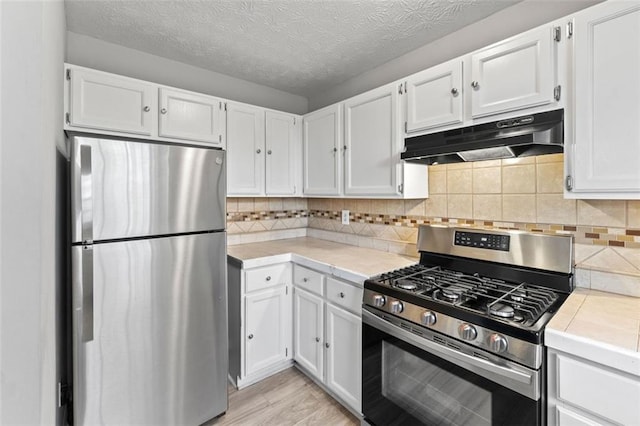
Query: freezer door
(123, 189)
(150, 331)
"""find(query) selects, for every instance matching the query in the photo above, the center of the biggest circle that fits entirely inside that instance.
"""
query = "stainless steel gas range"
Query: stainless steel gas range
(457, 339)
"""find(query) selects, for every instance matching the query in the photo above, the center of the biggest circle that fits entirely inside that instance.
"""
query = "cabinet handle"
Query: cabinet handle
(163, 111)
(317, 339)
(268, 278)
(269, 152)
(342, 295)
(258, 151)
(475, 85)
(250, 336)
(305, 279)
(326, 345)
(146, 108)
(454, 91)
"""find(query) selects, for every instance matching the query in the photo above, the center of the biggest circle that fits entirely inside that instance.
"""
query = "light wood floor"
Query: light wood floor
(286, 398)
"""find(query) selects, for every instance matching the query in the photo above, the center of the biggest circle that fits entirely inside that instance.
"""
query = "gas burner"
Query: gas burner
(518, 296)
(501, 310)
(405, 284)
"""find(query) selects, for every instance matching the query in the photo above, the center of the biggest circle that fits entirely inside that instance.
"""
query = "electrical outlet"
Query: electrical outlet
(345, 217)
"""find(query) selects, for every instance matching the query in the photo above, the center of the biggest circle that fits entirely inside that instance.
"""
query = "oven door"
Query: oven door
(409, 379)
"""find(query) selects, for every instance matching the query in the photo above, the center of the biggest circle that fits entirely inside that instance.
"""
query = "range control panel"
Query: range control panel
(485, 241)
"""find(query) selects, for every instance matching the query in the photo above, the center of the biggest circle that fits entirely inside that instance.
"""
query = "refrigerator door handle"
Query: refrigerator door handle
(87, 294)
(86, 187)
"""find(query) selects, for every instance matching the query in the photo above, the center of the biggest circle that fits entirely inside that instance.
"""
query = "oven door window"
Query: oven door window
(405, 385)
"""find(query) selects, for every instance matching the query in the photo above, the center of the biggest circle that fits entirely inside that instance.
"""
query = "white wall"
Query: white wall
(503, 24)
(93, 53)
(32, 43)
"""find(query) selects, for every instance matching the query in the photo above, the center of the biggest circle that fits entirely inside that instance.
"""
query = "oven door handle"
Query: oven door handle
(498, 371)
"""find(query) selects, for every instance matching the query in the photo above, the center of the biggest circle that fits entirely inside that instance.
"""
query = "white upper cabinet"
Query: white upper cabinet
(109, 102)
(188, 116)
(282, 157)
(515, 74)
(372, 142)
(245, 149)
(434, 97)
(604, 160)
(323, 151)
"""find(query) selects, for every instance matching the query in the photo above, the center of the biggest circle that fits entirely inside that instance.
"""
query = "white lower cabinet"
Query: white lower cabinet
(582, 392)
(328, 333)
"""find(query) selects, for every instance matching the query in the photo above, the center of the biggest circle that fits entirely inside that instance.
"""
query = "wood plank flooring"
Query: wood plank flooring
(286, 398)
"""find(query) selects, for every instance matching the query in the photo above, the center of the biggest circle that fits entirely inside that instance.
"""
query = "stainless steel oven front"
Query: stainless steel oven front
(412, 375)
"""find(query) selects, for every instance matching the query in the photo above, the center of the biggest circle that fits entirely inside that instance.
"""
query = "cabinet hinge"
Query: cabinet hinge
(569, 29)
(220, 105)
(556, 93)
(64, 394)
(286, 290)
(401, 188)
(67, 118)
(400, 89)
(405, 87)
(220, 138)
(568, 183)
(557, 33)
(294, 121)
(286, 352)
(405, 127)
(225, 106)
(68, 74)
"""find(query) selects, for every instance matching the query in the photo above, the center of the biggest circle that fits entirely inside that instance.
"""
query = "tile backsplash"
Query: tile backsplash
(525, 194)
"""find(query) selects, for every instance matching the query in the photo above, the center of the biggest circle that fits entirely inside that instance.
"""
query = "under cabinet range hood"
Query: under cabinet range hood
(534, 134)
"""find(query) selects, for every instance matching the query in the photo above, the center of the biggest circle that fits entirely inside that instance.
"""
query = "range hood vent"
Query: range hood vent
(535, 134)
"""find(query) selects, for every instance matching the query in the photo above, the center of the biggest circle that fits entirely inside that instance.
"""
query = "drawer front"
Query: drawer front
(308, 279)
(345, 295)
(267, 276)
(582, 384)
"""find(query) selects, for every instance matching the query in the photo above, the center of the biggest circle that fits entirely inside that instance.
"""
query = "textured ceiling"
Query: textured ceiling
(299, 46)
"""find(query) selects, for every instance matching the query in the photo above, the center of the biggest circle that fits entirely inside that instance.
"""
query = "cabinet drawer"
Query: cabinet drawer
(308, 279)
(267, 276)
(344, 295)
(581, 384)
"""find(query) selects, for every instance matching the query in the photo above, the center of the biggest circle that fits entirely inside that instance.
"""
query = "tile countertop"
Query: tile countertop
(350, 262)
(601, 327)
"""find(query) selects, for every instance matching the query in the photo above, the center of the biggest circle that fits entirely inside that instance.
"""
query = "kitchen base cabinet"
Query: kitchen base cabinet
(582, 392)
(308, 332)
(260, 322)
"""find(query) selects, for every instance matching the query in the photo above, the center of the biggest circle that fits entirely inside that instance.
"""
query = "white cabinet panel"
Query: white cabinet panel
(567, 417)
(343, 352)
(345, 295)
(190, 116)
(281, 161)
(323, 151)
(604, 161)
(113, 103)
(515, 74)
(308, 331)
(434, 97)
(267, 276)
(268, 328)
(372, 142)
(245, 149)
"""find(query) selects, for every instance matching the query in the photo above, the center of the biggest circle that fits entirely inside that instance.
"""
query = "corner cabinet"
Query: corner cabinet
(603, 158)
(322, 139)
(260, 322)
(328, 333)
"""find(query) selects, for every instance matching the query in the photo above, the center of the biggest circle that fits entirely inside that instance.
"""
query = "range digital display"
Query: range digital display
(484, 241)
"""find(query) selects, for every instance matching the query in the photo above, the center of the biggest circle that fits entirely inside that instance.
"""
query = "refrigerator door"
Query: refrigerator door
(150, 331)
(124, 189)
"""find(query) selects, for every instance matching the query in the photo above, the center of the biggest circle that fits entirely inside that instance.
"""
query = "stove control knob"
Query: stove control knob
(467, 331)
(428, 318)
(396, 307)
(379, 301)
(498, 343)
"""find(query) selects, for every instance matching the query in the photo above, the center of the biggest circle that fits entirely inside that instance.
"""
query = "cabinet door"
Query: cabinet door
(108, 102)
(606, 151)
(308, 331)
(343, 353)
(281, 143)
(322, 151)
(434, 97)
(190, 116)
(245, 149)
(372, 142)
(268, 329)
(518, 73)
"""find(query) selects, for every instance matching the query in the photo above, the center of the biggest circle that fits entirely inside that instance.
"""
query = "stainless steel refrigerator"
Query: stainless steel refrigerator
(148, 282)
